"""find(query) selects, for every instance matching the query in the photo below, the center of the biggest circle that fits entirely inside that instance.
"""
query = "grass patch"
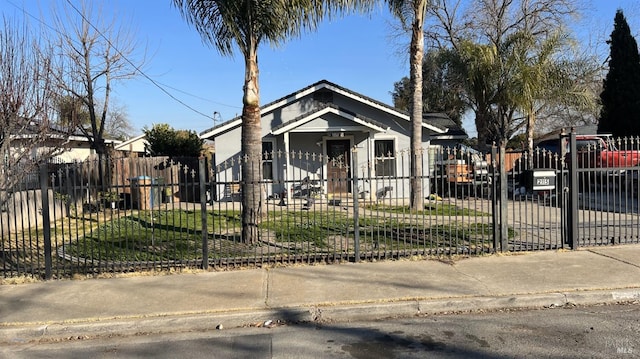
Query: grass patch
(469, 230)
(436, 236)
(135, 238)
(438, 209)
(174, 235)
(153, 236)
(306, 226)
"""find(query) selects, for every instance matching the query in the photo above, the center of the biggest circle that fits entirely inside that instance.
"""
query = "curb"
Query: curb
(170, 323)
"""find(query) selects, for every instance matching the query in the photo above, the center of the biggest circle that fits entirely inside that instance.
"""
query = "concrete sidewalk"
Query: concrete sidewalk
(342, 292)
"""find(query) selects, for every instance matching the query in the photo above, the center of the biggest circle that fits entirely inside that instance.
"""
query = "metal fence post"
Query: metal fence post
(46, 220)
(503, 200)
(563, 188)
(574, 187)
(356, 194)
(494, 199)
(203, 213)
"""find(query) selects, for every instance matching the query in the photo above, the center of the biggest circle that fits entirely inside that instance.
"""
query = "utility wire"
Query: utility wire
(137, 68)
(196, 96)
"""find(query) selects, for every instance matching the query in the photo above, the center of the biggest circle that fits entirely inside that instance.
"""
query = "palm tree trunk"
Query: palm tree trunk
(251, 148)
(415, 75)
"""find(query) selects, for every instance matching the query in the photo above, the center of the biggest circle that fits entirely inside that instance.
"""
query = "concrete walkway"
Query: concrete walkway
(343, 292)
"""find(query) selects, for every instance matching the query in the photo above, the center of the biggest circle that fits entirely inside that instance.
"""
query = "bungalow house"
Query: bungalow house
(323, 133)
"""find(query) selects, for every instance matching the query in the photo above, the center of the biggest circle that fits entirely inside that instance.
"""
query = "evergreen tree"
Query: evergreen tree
(620, 114)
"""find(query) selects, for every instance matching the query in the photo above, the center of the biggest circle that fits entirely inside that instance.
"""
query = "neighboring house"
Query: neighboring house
(56, 145)
(78, 148)
(133, 147)
(311, 133)
(56, 142)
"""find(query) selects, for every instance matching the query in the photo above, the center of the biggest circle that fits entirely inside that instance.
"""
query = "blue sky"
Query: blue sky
(357, 52)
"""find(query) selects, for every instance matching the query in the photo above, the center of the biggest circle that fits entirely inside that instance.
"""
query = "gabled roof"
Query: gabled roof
(454, 131)
(580, 130)
(323, 84)
(323, 108)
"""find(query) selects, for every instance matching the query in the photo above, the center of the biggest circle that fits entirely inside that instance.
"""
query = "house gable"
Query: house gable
(346, 103)
(133, 145)
(327, 110)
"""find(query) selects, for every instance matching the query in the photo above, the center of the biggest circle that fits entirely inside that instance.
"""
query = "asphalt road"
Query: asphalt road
(607, 331)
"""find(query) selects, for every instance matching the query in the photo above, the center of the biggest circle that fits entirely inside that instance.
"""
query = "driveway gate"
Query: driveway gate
(586, 194)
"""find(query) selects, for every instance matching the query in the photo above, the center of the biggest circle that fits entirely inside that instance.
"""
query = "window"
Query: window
(267, 160)
(385, 158)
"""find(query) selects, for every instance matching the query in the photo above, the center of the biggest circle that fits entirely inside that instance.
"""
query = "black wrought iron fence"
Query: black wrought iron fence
(536, 202)
(332, 210)
(158, 213)
(605, 172)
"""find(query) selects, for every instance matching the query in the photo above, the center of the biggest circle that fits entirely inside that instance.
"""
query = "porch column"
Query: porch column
(287, 168)
(426, 168)
(370, 166)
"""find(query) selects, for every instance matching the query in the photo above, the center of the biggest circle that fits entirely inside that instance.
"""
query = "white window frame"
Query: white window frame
(385, 158)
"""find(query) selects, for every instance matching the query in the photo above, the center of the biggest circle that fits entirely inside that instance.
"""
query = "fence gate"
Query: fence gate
(531, 201)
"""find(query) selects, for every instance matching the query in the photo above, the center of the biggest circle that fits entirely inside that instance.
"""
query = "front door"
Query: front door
(339, 163)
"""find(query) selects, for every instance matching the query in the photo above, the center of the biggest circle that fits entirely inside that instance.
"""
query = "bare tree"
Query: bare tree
(117, 125)
(26, 86)
(72, 112)
(96, 53)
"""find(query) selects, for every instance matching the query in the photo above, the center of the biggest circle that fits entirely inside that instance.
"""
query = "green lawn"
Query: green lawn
(161, 235)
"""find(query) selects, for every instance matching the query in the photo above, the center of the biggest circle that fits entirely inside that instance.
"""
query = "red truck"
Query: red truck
(592, 151)
(600, 152)
(601, 162)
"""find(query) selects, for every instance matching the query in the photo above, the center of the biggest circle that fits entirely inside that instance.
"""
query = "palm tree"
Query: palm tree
(411, 14)
(247, 24)
(538, 76)
(477, 69)
(540, 79)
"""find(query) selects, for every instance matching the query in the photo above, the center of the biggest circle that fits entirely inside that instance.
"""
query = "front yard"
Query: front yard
(177, 234)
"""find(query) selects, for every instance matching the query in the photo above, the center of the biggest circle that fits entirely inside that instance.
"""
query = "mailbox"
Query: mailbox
(540, 179)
